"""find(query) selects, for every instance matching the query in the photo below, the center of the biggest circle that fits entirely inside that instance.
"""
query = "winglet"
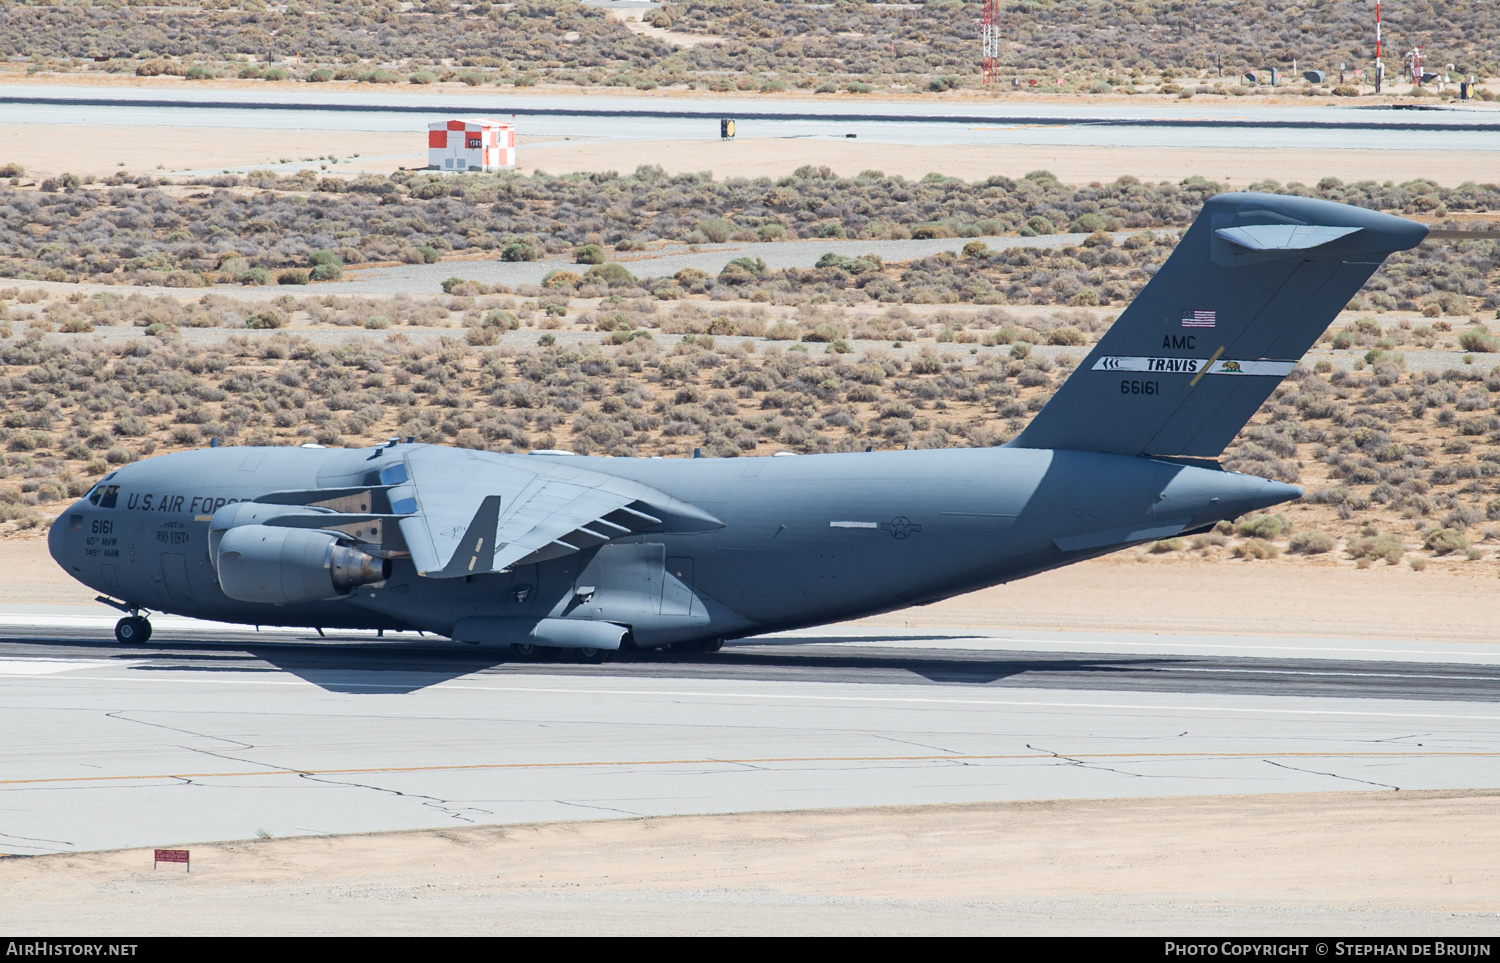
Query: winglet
(479, 537)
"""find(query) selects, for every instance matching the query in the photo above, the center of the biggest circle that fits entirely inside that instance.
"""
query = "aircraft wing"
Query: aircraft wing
(469, 512)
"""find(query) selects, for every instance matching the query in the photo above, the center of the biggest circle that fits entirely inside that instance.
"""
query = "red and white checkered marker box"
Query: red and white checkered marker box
(470, 145)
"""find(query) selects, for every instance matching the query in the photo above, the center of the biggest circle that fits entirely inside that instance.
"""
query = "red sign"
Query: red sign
(171, 856)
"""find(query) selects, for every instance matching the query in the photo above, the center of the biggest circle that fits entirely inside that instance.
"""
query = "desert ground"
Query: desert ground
(1355, 863)
(1234, 168)
(47, 150)
(1351, 863)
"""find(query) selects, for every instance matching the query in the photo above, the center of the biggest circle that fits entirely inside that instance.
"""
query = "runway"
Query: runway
(212, 733)
(1212, 123)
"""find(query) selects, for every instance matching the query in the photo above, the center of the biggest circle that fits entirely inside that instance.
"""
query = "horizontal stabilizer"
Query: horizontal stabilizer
(1283, 237)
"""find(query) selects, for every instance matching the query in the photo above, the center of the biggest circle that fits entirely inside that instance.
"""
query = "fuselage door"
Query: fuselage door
(175, 574)
(677, 587)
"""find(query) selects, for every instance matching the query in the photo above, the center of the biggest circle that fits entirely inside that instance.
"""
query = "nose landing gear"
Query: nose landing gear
(133, 630)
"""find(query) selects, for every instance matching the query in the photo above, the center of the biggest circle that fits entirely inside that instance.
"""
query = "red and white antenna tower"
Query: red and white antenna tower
(1379, 64)
(989, 40)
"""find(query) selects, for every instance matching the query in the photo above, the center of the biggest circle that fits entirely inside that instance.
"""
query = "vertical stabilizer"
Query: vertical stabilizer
(1253, 283)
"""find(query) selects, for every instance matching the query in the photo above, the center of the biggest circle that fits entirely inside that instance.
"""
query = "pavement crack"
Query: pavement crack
(432, 802)
(36, 839)
(919, 745)
(1082, 764)
(606, 809)
(1402, 739)
(120, 716)
(1332, 775)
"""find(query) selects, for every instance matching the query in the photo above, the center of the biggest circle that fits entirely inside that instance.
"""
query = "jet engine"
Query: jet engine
(276, 566)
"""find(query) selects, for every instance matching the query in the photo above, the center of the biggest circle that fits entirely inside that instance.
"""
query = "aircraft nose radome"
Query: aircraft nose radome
(1274, 493)
(55, 538)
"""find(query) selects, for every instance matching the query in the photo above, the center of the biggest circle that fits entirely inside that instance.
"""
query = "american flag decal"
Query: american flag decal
(1198, 319)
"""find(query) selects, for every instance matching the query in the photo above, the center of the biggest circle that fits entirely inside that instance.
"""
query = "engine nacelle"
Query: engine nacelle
(276, 566)
(236, 514)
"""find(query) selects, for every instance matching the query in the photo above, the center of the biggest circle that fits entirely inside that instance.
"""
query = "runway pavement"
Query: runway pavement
(210, 732)
(1216, 123)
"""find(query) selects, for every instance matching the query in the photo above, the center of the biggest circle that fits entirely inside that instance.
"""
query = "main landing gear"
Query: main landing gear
(526, 652)
(133, 630)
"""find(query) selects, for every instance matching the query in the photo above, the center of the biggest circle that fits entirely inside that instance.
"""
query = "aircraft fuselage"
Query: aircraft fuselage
(806, 540)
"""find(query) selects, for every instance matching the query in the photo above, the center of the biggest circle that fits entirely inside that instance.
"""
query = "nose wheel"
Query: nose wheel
(133, 630)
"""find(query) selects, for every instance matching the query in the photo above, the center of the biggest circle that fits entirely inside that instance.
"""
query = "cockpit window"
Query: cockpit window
(97, 493)
(107, 496)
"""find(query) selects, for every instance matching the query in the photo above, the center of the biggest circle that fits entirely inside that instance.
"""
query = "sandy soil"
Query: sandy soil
(1129, 592)
(46, 150)
(1072, 165)
(32, 578)
(633, 20)
(1416, 863)
(1121, 593)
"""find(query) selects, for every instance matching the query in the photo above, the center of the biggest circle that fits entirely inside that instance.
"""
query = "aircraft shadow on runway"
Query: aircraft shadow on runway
(391, 668)
(404, 666)
(351, 669)
(853, 664)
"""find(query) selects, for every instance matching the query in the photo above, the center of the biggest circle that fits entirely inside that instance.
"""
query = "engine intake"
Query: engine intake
(278, 566)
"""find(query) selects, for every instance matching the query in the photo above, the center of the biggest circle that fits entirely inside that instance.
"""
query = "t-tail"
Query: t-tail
(1253, 283)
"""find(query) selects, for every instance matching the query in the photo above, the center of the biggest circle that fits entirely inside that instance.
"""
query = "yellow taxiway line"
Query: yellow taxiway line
(1034, 757)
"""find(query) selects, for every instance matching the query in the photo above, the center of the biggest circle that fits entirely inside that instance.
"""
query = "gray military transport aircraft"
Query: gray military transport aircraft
(589, 554)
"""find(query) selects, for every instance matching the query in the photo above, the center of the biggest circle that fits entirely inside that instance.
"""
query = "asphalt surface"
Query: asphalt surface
(213, 732)
(411, 664)
(1216, 122)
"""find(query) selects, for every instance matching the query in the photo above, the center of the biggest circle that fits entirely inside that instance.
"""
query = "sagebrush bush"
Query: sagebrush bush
(146, 235)
(1311, 543)
(1444, 540)
(1262, 526)
(1388, 547)
(1256, 548)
